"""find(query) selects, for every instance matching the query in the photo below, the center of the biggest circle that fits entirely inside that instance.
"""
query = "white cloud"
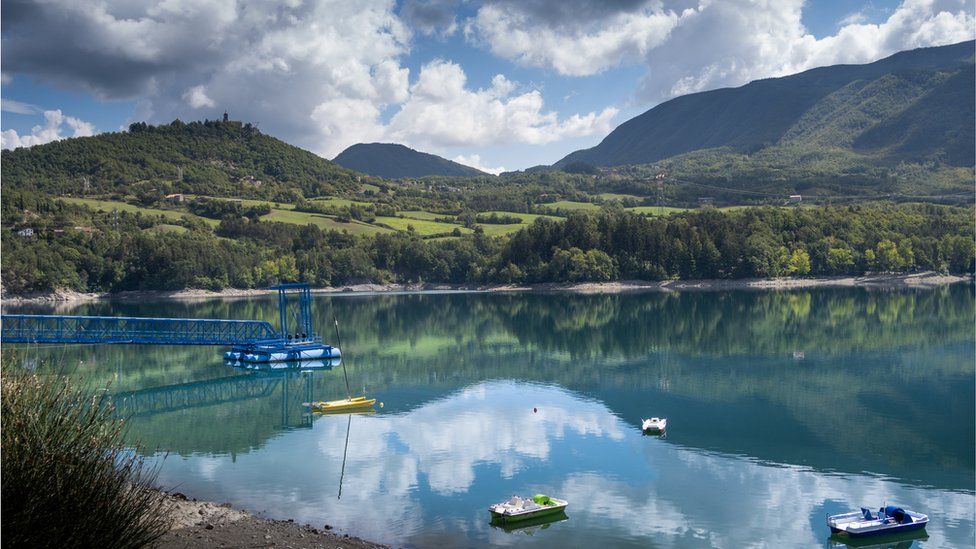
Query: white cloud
(733, 42)
(320, 75)
(474, 160)
(442, 112)
(18, 107)
(196, 97)
(854, 18)
(579, 49)
(51, 130)
(690, 46)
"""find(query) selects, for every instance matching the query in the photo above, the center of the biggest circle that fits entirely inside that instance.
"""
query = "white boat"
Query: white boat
(654, 425)
(518, 509)
(888, 520)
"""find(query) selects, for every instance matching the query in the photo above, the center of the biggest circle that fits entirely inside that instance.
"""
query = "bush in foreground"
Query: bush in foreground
(67, 480)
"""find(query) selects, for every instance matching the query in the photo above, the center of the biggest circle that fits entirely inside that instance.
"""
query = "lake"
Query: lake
(782, 407)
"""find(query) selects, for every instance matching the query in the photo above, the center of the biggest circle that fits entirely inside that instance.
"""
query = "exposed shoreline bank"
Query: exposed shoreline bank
(206, 524)
(913, 280)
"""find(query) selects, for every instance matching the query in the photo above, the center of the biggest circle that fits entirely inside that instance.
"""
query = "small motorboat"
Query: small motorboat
(532, 526)
(518, 509)
(654, 425)
(352, 404)
(888, 520)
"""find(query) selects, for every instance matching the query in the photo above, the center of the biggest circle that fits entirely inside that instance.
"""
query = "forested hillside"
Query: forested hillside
(209, 158)
(394, 161)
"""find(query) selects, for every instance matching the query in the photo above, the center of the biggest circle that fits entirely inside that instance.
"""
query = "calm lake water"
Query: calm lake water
(782, 407)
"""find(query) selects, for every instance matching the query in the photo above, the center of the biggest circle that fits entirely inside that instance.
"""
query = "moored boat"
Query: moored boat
(654, 425)
(519, 509)
(343, 405)
(888, 520)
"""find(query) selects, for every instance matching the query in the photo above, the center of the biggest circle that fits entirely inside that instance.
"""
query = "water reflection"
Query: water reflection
(902, 541)
(430, 472)
(782, 407)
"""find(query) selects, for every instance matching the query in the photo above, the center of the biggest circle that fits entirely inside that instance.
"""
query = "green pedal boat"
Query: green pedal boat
(519, 509)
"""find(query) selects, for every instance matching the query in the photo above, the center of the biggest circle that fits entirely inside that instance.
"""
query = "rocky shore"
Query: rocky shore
(911, 280)
(199, 524)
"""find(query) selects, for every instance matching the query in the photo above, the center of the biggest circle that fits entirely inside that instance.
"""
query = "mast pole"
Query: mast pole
(339, 341)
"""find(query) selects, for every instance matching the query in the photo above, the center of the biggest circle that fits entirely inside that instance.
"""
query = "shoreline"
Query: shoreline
(926, 279)
(205, 524)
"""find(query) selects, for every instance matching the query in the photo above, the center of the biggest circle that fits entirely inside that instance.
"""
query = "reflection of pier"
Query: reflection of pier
(212, 392)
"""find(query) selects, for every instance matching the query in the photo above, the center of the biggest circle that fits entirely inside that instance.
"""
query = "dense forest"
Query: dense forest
(76, 248)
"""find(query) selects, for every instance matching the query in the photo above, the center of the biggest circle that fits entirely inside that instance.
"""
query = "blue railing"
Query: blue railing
(122, 329)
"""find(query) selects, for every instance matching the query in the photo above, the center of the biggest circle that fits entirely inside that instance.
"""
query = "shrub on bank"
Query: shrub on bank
(67, 480)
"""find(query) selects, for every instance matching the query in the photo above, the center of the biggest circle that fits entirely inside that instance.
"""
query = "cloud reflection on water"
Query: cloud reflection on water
(431, 472)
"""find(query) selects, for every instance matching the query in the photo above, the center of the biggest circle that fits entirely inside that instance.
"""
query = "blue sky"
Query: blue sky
(495, 84)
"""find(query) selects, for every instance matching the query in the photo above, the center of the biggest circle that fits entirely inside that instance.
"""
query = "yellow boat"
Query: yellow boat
(343, 405)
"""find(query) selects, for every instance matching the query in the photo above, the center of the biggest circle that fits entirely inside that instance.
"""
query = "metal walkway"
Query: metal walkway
(123, 329)
(295, 333)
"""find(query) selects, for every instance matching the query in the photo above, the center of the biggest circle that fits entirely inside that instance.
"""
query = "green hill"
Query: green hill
(207, 158)
(915, 107)
(394, 161)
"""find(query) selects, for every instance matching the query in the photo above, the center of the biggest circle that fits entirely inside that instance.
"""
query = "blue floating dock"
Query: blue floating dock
(282, 352)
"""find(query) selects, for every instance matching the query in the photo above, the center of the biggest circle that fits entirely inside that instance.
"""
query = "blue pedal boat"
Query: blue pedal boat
(888, 520)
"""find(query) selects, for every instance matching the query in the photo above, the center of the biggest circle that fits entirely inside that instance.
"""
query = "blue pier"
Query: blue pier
(253, 341)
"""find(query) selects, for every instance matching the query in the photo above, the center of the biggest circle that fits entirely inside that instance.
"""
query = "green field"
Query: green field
(616, 196)
(494, 229)
(322, 221)
(247, 202)
(421, 226)
(428, 216)
(167, 228)
(570, 206)
(525, 217)
(110, 205)
(655, 210)
(338, 202)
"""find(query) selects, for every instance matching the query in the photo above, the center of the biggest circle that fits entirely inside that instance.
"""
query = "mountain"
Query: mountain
(915, 106)
(219, 158)
(393, 161)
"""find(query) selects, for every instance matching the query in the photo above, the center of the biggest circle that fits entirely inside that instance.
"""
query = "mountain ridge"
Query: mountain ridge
(923, 93)
(394, 161)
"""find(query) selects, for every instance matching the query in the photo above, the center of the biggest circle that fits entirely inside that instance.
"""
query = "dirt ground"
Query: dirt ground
(199, 524)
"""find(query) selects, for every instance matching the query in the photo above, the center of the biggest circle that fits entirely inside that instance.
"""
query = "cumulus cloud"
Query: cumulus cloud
(318, 74)
(565, 38)
(54, 124)
(278, 64)
(730, 43)
(442, 111)
(475, 161)
(430, 17)
(196, 97)
(690, 46)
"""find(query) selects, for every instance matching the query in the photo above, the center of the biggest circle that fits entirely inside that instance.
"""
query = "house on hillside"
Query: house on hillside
(795, 199)
(175, 197)
(251, 180)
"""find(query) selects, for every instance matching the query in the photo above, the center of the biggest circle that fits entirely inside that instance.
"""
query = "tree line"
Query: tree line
(78, 249)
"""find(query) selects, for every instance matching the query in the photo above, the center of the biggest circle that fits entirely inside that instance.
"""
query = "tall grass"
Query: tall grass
(67, 480)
